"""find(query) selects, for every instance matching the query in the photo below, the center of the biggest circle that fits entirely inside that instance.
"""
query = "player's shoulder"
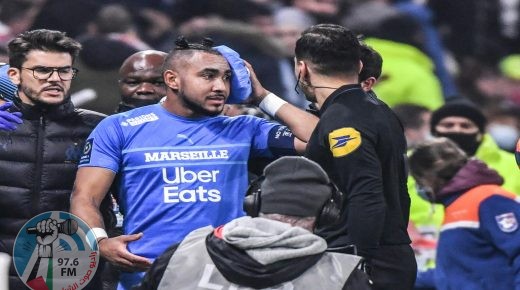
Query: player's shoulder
(135, 117)
(243, 120)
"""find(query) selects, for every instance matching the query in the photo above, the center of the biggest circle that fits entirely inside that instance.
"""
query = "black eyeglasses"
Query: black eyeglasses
(65, 73)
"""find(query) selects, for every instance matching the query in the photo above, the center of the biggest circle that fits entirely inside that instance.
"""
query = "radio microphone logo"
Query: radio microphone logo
(56, 250)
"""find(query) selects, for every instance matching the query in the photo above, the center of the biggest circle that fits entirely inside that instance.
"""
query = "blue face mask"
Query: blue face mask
(425, 192)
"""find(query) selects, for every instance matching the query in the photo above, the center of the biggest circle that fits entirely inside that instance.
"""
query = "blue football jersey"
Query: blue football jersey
(179, 174)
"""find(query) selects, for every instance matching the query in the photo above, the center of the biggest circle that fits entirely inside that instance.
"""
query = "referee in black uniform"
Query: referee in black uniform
(360, 144)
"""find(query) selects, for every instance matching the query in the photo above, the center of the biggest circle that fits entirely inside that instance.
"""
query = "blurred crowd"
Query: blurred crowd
(433, 50)
(442, 59)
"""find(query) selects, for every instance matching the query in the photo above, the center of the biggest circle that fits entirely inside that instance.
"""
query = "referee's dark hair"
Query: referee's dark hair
(332, 49)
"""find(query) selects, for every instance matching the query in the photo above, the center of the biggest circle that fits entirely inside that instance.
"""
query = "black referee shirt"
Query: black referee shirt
(360, 143)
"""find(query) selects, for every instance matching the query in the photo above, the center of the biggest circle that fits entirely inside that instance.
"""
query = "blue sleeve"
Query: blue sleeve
(499, 218)
(425, 279)
(103, 147)
(272, 140)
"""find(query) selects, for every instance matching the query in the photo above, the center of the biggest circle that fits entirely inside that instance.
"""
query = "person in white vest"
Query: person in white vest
(272, 248)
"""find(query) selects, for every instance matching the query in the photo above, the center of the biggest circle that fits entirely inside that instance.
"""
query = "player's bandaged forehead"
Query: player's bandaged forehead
(281, 141)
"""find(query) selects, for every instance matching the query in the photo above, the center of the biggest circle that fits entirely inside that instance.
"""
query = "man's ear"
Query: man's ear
(303, 71)
(360, 67)
(14, 75)
(298, 65)
(171, 79)
(368, 84)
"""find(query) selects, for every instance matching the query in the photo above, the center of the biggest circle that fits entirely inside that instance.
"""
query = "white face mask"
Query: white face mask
(506, 136)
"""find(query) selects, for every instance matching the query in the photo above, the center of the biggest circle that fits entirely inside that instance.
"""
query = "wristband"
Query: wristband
(271, 104)
(99, 233)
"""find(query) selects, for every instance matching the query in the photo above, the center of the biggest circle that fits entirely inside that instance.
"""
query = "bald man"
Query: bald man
(140, 80)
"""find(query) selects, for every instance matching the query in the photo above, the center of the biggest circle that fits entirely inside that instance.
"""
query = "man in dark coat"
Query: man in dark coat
(38, 158)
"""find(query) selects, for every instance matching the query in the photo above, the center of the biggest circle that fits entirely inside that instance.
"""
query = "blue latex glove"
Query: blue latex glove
(240, 81)
(9, 120)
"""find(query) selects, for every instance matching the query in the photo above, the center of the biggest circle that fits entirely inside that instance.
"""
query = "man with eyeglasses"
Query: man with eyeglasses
(39, 156)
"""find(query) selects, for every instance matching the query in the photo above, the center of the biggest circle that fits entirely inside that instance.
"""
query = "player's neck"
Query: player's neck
(173, 105)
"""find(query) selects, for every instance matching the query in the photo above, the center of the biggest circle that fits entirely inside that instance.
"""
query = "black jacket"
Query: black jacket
(38, 164)
(360, 143)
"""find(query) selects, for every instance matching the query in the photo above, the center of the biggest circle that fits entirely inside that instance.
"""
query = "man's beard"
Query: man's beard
(300, 86)
(311, 97)
(198, 109)
(33, 96)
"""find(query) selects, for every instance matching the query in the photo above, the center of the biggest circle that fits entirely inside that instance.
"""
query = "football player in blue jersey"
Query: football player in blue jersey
(183, 165)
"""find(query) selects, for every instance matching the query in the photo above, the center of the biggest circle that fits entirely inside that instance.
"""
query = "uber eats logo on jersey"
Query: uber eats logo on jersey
(179, 175)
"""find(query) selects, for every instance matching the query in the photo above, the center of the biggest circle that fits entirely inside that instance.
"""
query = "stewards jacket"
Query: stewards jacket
(479, 243)
(421, 214)
(38, 164)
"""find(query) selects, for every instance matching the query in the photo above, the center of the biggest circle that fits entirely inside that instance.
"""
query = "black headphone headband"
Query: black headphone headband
(329, 214)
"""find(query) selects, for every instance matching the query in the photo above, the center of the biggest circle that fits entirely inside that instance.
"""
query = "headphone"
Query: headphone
(329, 214)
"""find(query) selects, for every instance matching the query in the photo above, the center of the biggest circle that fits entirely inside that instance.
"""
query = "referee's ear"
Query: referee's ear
(302, 71)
